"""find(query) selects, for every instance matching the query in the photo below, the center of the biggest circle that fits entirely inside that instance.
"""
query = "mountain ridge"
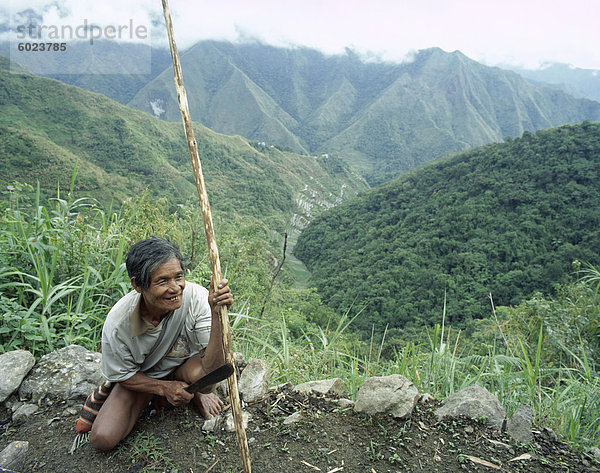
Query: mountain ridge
(369, 113)
(576, 81)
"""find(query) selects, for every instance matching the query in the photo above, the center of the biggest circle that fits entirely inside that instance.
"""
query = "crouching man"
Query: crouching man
(158, 339)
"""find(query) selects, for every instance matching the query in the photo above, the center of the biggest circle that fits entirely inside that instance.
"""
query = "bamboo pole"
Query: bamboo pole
(211, 240)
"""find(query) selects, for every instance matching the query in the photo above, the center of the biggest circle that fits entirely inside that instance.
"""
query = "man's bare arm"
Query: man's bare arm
(174, 391)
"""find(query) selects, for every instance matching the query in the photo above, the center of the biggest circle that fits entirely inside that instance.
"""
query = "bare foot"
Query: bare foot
(209, 404)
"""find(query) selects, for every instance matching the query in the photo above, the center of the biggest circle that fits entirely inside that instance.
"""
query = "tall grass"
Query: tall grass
(564, 396)
(61, 267)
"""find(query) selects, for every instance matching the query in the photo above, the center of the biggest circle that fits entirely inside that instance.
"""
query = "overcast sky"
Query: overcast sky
(517, 32)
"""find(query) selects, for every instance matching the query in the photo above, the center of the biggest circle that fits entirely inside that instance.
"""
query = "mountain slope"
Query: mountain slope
(222, 97)
(382, 118)
(576, 81)
(506, 219)
(47, 127)
(446, 102)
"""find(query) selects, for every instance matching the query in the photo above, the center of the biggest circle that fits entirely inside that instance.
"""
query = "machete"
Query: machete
(215, 376)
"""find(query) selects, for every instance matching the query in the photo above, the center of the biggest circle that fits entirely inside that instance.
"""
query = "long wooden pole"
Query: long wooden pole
(210, 237)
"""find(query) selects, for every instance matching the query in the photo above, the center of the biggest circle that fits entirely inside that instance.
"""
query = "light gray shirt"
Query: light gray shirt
(131, 344)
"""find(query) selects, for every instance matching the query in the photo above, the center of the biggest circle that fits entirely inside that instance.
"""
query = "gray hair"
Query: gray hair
(146, 256)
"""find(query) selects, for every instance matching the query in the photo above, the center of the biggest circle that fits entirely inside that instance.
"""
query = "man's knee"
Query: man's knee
(191, 370)
(117, 417)
(103, 440)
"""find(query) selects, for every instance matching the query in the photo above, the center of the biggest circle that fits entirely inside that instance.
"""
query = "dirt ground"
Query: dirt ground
(327, 438)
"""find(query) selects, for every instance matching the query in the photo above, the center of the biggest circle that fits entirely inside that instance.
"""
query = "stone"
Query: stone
(23, 413)
(549, 434)
(230, 424)
(14, 405)
(239, 361)
(293, 419)
(476, 403)
(69, 373)
(595, 452)
(331, 387)
(254, 381)
(212, 424)
(344, 403)
(393, 394)
(426, 398)
(520, 425)
(14, 366)
(13, 456)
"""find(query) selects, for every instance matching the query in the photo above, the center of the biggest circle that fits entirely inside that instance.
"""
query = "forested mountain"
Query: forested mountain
(382, 118)
(47, 127)
(507, 219)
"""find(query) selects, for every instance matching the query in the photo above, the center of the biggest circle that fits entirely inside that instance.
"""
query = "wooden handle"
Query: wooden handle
(210, 238)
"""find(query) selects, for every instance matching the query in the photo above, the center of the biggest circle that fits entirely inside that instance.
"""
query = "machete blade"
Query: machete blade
(214, 377)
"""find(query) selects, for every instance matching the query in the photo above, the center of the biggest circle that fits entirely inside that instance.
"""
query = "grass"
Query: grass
(62, 268)
(146, 452)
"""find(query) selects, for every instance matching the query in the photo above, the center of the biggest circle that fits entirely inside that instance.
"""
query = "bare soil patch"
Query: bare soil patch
(327, 438)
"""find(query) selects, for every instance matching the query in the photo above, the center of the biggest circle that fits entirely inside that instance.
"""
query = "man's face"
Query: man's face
(166, 288)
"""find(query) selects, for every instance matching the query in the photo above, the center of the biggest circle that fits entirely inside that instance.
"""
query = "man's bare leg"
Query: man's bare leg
(117, 417)
(193, 369)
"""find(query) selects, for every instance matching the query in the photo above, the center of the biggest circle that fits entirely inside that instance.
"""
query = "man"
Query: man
(157, 340)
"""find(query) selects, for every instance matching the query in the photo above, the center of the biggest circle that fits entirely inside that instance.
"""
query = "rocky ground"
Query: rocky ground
(327, 438)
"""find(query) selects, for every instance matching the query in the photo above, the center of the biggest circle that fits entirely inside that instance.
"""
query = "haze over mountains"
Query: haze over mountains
(573, 80)
(382, 118)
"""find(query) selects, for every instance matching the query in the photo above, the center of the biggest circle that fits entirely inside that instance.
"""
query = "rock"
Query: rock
(334, 386)
(474, 402)
(230, 425)
(239, 361)
(13, 456)
(14, 366)
(23, 413)
(212, 424)
(14, 405)
(426, 398)
(394, 394)
(520, 425)
(595, 452)
(69, 373)
(254, 380)
(292, 419)
(549, 434)
(344, 403)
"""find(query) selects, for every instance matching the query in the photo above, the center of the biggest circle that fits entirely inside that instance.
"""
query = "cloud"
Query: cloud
(42, 18)
(509, 32)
